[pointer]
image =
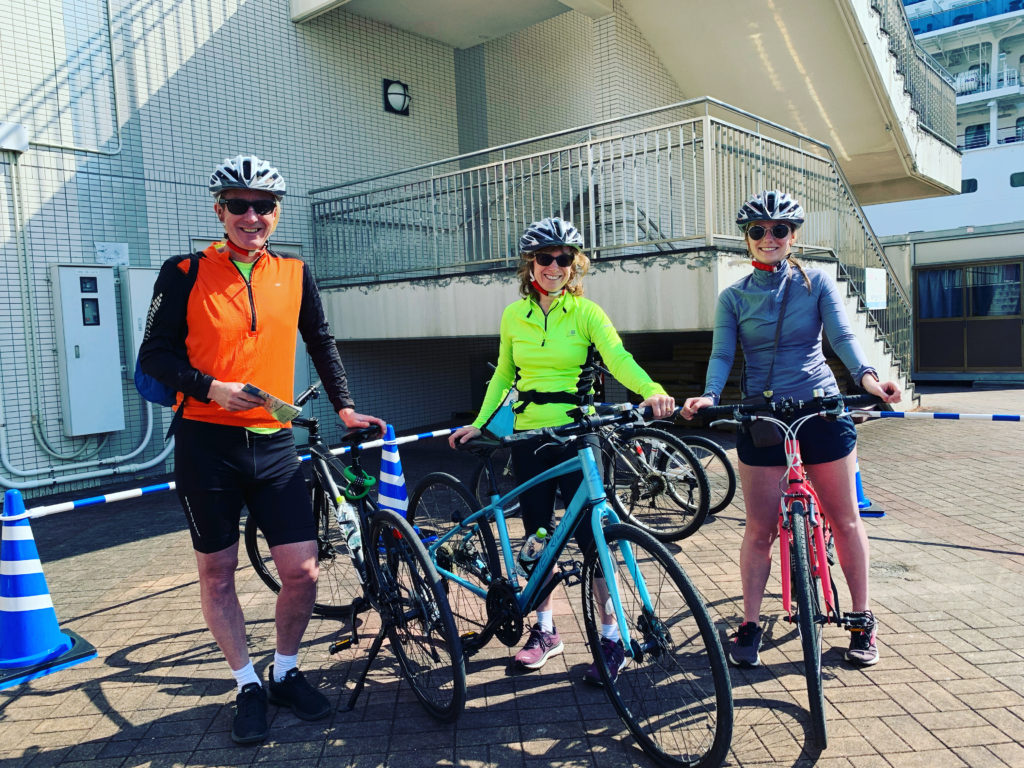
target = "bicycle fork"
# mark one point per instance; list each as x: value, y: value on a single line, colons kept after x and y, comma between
x: 816, y: 554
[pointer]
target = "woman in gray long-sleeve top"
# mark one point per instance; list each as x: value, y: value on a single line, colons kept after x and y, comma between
x: 748, y: 310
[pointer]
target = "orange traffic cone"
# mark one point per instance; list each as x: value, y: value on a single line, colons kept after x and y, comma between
x: 31, y: 643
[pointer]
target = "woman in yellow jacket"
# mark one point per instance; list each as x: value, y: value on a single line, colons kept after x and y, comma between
x: 549, y: 340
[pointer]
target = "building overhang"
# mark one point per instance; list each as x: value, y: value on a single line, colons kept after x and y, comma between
x: 458, y: 23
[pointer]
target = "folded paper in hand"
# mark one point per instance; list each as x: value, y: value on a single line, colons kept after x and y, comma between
x: 276, y: 407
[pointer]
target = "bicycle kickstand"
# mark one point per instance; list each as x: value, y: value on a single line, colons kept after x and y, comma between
x: 358, y: 605
x: 378, y: 641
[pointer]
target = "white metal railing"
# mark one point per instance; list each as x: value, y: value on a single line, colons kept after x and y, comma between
x: 665, y: 180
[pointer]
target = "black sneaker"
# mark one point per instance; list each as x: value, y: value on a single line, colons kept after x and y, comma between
x: 614, y: 655
x: 294, y: 691
x: 863, y: 647
x: 743, y: 650
x: 250, y: 724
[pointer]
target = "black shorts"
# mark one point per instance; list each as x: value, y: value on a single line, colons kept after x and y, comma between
x: 538, y: 503
x: 821, y: 441
x: 219, y: 469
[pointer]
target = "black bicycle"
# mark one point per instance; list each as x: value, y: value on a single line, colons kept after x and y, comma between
x: 372, y: 558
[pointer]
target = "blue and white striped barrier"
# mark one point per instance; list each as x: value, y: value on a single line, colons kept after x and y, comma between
x: 938, y: 416
x: 134, y: 493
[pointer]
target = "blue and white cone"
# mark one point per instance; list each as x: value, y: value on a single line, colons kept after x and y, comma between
x: 31, y: 642
x: 867, y: 509
x: 391, y: 492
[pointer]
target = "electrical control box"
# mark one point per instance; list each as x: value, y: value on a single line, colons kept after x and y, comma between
x: 136, y: 294
x: 88, y: 358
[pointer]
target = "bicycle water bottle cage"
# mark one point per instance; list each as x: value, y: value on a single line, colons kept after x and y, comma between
x: 358, y: 485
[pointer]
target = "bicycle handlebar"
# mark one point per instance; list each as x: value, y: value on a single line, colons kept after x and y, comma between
x: 831, y: 404
x: 624, y: 413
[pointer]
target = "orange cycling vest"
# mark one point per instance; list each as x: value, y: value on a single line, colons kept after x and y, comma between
x: 243, y: 331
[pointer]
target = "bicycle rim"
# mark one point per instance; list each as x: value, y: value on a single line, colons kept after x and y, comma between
x: 805, y: 588
x: 674, y: 694
x: 719, y: 470
x: 422, y: 630
x: 438, y: 501
x: 659, y: 486
x: 501, y: 460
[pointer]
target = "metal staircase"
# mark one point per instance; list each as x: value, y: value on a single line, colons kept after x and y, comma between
x: 662, y: 181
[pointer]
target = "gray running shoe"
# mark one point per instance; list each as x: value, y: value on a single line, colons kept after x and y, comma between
x: 743, y: 650
x: 863, y: 650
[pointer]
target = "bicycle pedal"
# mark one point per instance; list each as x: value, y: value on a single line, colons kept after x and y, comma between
x: 470, y: 643
x: 340, y: 645
x: 571, y: 573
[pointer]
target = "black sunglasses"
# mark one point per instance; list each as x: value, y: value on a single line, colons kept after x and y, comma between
x: 238, y: 206
x: 563, y: 259
x: 778, y: 231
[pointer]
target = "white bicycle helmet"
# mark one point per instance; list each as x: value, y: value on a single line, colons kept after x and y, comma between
x: 548, y: 232
x: 770, y: 205
x: 246, y: 172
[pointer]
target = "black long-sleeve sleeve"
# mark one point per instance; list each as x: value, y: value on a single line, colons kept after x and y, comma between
x: 163, y: 354
x: 316, y: 333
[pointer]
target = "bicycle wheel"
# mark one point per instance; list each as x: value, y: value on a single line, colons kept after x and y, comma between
x: 656, y: 483
x: 720, y: 471
x: 673, y: 692
x: 438, y: 501
x: 338, y: 585
x: 808, y: 605
x: 415, y: 609
x: 501, y: 460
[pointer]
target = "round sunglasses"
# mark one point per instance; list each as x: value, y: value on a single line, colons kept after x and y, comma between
x: 779, y: 231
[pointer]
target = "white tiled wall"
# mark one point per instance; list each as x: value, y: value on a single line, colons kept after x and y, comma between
x: 198, y: 80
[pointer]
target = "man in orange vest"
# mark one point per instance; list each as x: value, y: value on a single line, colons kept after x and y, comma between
x: 213, y: 327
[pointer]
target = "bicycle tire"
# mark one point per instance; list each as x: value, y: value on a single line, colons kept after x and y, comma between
x: 412, y: 601
x: 662, y: 489
x: 720, y: 471
x: 338, y: 584
x: 808, y: 604
x: 675, y: 694
x: 501, y: 460
x: 438, y: 500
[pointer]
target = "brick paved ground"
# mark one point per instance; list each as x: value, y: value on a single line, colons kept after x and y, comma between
x: 947, y: 570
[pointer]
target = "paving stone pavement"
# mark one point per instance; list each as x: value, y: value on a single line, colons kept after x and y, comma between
x: 947, y: 579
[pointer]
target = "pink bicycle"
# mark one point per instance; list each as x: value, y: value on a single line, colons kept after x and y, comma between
x: 805, y: 537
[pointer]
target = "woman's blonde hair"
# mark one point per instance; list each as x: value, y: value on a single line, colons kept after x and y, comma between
x: 580, y: 267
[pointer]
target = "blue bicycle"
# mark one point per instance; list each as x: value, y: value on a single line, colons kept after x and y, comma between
x: 673, y: 690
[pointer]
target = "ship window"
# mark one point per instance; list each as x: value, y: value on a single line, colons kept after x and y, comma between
x: 968, y: 185
x: 1017, y: 179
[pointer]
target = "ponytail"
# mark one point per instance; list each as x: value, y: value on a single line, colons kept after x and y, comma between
x: 800, y: 268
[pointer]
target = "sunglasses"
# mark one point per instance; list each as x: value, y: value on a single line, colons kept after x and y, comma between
x: 238, y: 206
x: 563, y: 259
x: 779, y: 231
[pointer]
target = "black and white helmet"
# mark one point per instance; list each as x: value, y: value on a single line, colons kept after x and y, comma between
x: 548, y: 232
x: 246, y: 172
x: 771, y: 205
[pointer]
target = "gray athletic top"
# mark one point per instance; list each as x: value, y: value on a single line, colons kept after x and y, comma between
x: 749, y: 309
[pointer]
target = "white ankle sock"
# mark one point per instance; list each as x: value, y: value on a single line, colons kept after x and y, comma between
x: 283, y: 665
x: 610, y: 631
x: 546, y: 621
x: 246, y: 675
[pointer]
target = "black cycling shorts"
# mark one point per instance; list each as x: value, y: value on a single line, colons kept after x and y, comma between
x: 219, y: 469
x: 821, y: 441
x: 538, y: 503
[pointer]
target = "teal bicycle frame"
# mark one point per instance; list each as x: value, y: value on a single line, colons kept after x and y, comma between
x: 589, y: 495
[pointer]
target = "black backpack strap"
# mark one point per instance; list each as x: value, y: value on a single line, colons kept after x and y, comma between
x: 193, y: 271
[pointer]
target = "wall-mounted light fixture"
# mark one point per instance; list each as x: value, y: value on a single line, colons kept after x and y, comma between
x: 396, y: 97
